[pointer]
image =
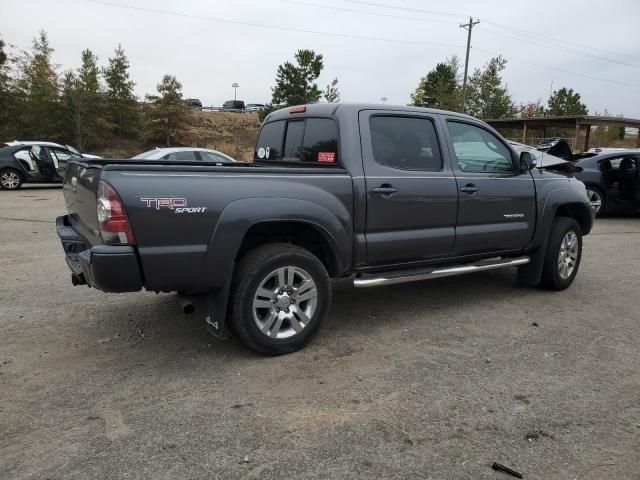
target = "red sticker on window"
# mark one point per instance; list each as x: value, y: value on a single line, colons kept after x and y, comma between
x: 327, y: 157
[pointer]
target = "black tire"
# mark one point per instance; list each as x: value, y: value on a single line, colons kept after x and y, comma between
x: 552, y: 277
x: 602, y: 197
x: 250, y: 274
x: 9, y: 177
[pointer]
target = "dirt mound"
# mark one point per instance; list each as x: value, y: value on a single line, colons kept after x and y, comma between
x: 231, y: 133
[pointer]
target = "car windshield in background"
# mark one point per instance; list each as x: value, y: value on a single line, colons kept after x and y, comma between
x: 146, y: 154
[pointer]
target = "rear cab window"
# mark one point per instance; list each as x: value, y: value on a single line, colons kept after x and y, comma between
x: 302, y: 141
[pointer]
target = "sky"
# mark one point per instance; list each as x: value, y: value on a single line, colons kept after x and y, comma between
x: 375, y: 52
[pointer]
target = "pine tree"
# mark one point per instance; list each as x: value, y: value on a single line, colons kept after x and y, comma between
x: 440, y: 87
x: 38, y: 114
x: 5, y: 92
x: 295, y: 83
x: 83, y: 100
x: 566, y: 102
x: 166, y: 114
x: 122, y: 106
x: 486, y: 97
x: 331, y: 93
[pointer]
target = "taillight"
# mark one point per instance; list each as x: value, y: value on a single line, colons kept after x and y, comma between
x: 112, y: 219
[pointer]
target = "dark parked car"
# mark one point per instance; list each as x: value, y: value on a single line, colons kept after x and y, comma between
x: 233, y: 106
x: 612, y: 180
x: 558, y: 147
x: 193, y: 102
x: 381, y: 194
x: 33, y: 162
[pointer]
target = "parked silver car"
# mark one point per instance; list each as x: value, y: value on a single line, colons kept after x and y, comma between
x: 187, y: 154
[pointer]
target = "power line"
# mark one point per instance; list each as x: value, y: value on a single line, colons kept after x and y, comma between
x: 351, y: 10
x: 407, y: 9
x: 555, y: 69
x: 507, y: 27
x: 567, y: 49
x: 556, y: 40
x: 273, y: 27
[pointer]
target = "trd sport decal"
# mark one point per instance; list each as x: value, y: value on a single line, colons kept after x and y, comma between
x: 177, y: 204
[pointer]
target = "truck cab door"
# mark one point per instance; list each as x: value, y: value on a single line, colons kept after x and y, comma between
x: 497, y: 202
x: 411, y: 194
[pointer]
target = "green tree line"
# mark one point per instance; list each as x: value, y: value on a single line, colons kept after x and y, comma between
x: 88, y: 107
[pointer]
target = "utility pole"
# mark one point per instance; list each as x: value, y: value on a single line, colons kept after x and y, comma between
x: 468, y: 27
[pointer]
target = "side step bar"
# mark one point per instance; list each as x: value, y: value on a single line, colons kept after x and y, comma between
x: 391, y: 278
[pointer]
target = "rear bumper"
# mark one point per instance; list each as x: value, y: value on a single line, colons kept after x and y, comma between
x: 110, y: 268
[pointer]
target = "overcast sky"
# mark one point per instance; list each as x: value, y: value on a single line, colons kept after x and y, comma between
x: 207, y: 56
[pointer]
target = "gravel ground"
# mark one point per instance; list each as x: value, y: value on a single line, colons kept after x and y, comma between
x: 429, y: 380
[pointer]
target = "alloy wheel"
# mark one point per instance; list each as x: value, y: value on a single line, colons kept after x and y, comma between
x: 10, y: 180
x: 568, y: 256
x: 285, y: 302
x: 595, y: 199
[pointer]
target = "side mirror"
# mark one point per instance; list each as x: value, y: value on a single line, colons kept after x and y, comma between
x: 527, y: 161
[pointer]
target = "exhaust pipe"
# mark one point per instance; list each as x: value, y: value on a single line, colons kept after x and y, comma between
x: 187, y: 307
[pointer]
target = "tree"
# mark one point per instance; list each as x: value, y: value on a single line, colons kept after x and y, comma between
x: 83, y: 101
x: 331, y: 93
x: 486, y: 97
x: 5, y: 91
x: 440, y: 87
x: 166, y: 114
x: 295, y: 83
x: 38, y: 113
x: 122, y: 106
x: 566, y: 102
x: 530, y: 110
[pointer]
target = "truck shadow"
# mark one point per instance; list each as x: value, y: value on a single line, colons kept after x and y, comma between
x: 160, y: 326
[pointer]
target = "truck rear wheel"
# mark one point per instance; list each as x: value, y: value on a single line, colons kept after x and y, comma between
x: 280, y: 296
x: 564, y: 253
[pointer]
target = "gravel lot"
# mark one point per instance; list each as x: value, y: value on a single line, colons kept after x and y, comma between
x: 430, y: 380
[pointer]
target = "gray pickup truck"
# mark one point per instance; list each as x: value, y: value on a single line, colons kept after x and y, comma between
x: 380, y: 194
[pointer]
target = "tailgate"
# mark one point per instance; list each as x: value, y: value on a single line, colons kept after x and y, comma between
x: 80, y: 189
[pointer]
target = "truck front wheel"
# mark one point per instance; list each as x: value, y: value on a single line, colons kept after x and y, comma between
x: 280, y: 296
x: 564, y: 253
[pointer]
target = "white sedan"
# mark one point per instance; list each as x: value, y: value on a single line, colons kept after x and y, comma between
x: 185, y: 154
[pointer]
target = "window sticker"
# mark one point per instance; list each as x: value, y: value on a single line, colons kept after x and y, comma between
x: 261, y: 152
x: 326, y: 157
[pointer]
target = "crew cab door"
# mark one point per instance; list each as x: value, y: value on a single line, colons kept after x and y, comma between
x: 411, y: 192
x: 497, y: 200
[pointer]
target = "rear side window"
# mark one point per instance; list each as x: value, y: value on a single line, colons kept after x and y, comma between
x: 308, y: 141
x: 406, y: 143
x: 269, y: 143
x: 182, y: 156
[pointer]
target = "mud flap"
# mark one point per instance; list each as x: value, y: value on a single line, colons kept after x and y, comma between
x: 215, y: 312
x: 531, y: 273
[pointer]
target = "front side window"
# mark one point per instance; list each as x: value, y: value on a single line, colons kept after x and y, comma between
x: 60, y: 154
x: 478, y: 150
x: 406, y: 143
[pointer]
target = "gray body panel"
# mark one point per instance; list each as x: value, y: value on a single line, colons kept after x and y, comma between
x: 427, y: 221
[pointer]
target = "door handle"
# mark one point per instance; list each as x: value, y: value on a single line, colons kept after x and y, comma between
x: 469, y: 188
x: 385, y: 189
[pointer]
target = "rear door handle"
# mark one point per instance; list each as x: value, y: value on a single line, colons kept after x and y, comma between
x: 469, y: 188
x: 385, y: 189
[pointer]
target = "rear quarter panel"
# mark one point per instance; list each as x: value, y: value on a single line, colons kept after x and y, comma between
x: 195, y: 251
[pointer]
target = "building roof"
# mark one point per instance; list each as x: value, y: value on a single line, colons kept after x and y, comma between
x: 565, y: 121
